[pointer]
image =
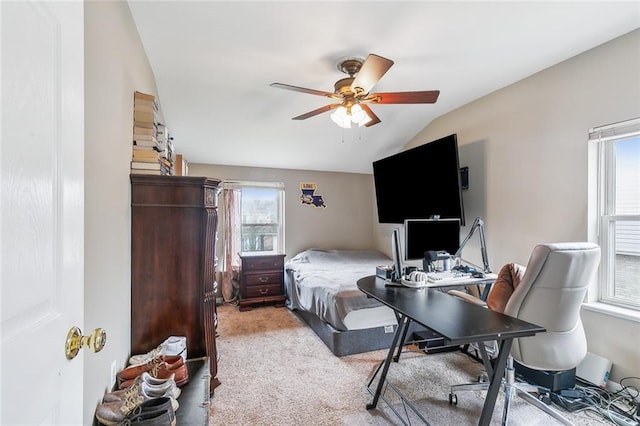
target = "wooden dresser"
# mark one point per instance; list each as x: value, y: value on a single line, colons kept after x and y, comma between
x: 173, y: 264
x: 261, y: 280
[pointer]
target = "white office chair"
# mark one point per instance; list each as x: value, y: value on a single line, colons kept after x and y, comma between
x: 550, y: 295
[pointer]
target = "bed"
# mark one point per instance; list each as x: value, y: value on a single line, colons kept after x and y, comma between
x: 320, y: 286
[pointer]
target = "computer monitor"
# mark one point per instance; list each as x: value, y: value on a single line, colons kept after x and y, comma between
x: 421, y: 235
x: 396, y: 255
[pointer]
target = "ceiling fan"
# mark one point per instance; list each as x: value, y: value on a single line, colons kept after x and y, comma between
x: 353, y: 92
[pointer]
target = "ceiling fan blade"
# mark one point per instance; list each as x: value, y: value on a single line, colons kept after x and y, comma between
x: 302, y: 89
x: 371, y: 114
x: 370, y: 73
x: 316, y: 112
x: 424, y: 97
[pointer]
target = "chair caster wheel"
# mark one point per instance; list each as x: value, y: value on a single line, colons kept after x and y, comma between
x: 453, y: 399
x: 545, y: 398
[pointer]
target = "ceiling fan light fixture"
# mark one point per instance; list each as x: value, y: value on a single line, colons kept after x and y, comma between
x: 341, y: 117
x: 344, y: 116
x: 359, y: 116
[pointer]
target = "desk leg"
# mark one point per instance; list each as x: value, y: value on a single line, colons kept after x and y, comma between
x: 485, y: 359
x: 485, y: 291
x: 400, y: 344
x: 404, y: 321
x: 496, y: 382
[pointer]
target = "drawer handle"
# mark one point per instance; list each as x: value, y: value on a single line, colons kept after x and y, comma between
x: 264, y: 291
x: 263, y: 279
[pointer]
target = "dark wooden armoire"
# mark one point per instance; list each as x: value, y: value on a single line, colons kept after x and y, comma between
x: 173, y: 263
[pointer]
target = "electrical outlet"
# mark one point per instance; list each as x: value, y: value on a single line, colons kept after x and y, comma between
x: 112, y: 377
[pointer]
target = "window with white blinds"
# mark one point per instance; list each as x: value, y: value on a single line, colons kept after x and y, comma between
x: 619, y: 211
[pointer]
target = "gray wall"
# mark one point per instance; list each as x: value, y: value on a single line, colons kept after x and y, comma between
x: 345, y: 223
x: 526, y: 148
x: 116, y: 66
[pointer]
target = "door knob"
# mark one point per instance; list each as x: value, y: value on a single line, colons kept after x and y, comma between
x: 76, y: 341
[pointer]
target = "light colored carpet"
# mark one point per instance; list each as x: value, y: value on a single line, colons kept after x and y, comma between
x: 274, y: 370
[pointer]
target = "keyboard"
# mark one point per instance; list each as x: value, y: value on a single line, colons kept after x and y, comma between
x: 447, y: 276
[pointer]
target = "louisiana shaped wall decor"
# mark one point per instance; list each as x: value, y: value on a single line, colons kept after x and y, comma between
x: 308, y: 196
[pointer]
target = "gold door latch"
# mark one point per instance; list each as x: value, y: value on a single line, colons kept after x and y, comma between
x: 75, y: 341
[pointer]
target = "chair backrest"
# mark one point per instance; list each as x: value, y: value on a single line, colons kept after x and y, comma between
x: 550, y: 295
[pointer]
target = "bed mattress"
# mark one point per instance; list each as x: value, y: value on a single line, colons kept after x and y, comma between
x: 323, y: 282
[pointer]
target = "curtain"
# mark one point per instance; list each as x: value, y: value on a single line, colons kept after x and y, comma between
x: 232, y: 218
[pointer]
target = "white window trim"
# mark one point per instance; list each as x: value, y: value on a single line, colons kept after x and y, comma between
x: 613, y: 310
x: 232, y: 184
x: 600, y: 217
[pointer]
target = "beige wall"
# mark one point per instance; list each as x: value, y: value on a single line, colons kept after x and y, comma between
x: 526, y: 148
x: 116, y: 66
x: 345, y: 223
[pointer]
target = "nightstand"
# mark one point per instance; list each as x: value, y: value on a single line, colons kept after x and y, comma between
x: 261, y: 280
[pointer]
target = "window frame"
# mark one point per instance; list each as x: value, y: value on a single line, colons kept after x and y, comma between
x: 606, y: 138
x: 276, y: 186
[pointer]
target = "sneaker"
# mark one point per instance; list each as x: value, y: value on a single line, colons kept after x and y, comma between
x: 159, y: 371
x: 152, y: 387
x: 160, y: 367
x: 114, y: 413
x: 154, y: 412
x: 161, y: 418
x: 173, y: 345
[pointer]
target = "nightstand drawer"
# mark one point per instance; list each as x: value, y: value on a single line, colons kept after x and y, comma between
x: 263, y: 279
x: 262, y: 291
x: 263, y: 263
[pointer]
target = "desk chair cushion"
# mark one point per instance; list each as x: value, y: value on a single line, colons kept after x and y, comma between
x: 550, y: 294
x: 508, y: 280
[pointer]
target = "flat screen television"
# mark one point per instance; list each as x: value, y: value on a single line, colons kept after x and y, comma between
x: 421, y: 235
x: 420, y: 183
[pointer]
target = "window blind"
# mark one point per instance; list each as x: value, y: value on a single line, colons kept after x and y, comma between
x: 620, y: 130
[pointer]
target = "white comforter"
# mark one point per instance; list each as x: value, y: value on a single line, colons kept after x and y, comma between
x: 324, y: 282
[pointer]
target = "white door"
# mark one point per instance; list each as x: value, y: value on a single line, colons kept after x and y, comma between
x: 41, y: 167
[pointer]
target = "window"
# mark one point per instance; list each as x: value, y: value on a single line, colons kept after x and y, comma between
x: 619, y: 212
x: 261, y: 224
x: 262, y: 213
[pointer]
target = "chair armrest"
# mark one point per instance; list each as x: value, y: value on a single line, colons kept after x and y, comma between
x: 467, y: 297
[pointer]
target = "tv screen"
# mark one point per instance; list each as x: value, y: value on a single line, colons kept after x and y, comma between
x: 421, y: 235
x: 420, y: 183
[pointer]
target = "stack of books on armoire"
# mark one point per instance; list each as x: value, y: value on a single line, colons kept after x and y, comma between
x: 153, y: 151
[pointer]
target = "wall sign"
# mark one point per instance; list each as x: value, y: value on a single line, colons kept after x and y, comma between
x: 308, y: 196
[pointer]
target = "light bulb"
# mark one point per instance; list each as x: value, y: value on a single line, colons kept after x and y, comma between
x: 359, y: 116
x: 341, y: 118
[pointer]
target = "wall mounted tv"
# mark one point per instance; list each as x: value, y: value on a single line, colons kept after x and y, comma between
x: 420, y: 183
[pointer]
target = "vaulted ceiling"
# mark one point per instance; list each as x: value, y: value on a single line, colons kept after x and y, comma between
x: 214, y: 61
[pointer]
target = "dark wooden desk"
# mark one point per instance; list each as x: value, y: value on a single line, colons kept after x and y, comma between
x: 459, y: 322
